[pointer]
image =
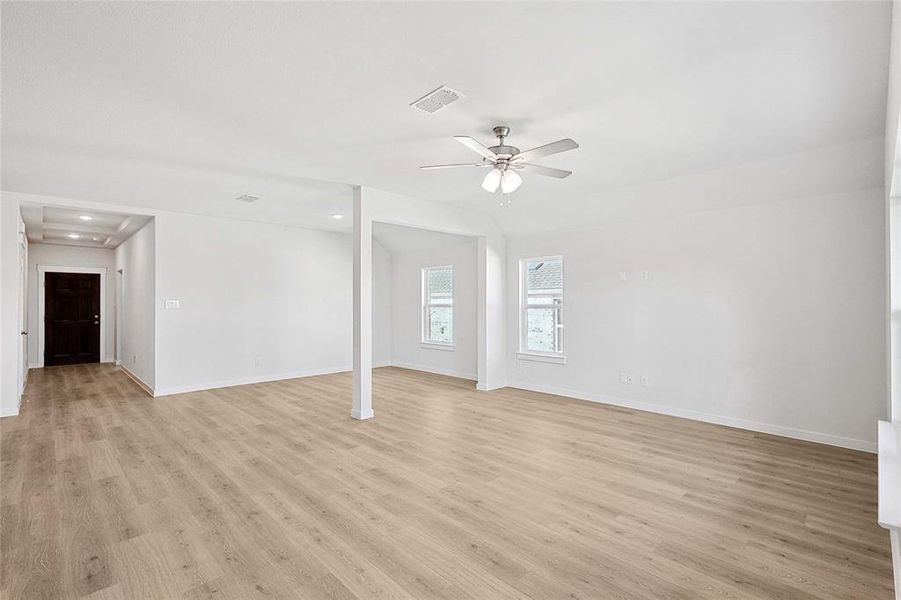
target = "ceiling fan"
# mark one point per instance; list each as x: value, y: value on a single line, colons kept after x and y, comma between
x: 507, y: 160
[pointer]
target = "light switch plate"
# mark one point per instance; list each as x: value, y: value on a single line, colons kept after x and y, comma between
x: 173, y: 304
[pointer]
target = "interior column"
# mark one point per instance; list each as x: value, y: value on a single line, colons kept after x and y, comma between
x: 492, y: 364
x: 362, y: 377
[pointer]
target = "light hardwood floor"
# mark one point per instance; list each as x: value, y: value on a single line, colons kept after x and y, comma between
x: 273, y: 491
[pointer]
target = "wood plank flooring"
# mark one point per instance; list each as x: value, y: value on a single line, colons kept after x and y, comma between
x: 273, y: 491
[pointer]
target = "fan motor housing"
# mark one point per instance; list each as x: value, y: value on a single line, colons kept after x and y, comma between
x: 505, y: 151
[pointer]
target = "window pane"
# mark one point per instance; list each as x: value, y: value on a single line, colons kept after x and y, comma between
x: 440, y: 324
x: 544, y: 281
x: 440, y: 286
x: 543, y: 330
x: 543, y: 299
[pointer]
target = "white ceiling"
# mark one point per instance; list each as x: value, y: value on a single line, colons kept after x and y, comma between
x: 54, y: 225
x: 185, y: 106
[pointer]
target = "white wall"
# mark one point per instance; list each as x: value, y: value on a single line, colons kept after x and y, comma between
x: 70, y: 256
x: 893, y: 102
x: 893, y: 186
x: 258, y: 302
x: 136, y: 258
x: 382, y: 329
x: 9, y: 292
x: 406, y: 310
x: 768, y: 317
x: 396, y: 209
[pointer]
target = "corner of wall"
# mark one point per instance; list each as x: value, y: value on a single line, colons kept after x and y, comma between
x: 9, y: 334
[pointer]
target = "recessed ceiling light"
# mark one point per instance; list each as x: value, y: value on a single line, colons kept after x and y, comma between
x: 86, y: 217
x: 337, y: 216
x: 73, y: 236
x: 247, y: 198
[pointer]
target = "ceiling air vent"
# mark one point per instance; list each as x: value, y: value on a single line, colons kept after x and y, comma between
x: 247, y: 198
x: 437, y: 99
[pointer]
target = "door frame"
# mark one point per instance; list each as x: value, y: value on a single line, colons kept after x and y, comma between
x: 22, y: 305
x: 42, y: 271
x: 120, y: 307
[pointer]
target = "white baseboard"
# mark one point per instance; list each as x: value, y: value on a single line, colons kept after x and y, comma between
x: 790, y: 432
x: 212, y: 385
x: 141, y: 383
x: 362, y: 416
x: 490, y: 386
x: 436, y: 370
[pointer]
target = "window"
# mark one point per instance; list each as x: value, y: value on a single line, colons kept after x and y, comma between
x: 438, y: 305
x: 541, y: 323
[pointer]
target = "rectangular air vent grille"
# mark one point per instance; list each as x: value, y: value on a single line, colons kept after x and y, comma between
x: 437, y: 99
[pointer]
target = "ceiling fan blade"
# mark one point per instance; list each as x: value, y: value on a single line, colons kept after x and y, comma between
x: 547, y: 171
x: 546, y: 150
x: 427, y: 167
x: 476, y: 146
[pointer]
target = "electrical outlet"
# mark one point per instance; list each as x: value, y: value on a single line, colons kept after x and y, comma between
x: 623, y: 276
x: 257, y: 361
x: 644, y: 381
x: 628, y: 379
x: 625, y: 378
x: 645, y: 275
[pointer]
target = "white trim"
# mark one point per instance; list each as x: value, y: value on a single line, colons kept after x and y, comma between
x: 361, y: 416
x: 141, y: 383
x: 790, y: 432
x: 558, y: 359
x: 524, y: 306
x: 487, y: 387
x: 436, y: 370
x: 224, y: 383
x: 22, y: 361
x: 425, y: 305
x: 119, y: 286
x: 42, y: 271
x: 437, y: 346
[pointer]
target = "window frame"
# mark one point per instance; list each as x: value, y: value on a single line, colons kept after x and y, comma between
x: 426, y: 304
x: 525, y: 353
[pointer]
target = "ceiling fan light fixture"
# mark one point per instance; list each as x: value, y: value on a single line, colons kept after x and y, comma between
x: 506, y: 160
x: 492, y: 181
x: 510, y: 181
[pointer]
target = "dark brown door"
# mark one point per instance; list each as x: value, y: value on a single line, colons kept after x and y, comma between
x: 71, y: 318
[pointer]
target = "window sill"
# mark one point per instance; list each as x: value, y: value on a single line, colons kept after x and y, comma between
x: 433, y: 346
x: 547, y: 358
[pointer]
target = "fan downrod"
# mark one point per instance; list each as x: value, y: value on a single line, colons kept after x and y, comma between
x: 502, y: 149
